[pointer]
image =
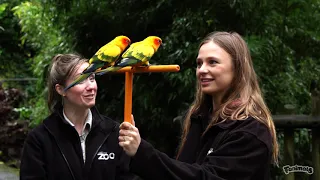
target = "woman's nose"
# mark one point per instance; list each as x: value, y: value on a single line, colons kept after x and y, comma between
x: 91, y: 85
x: 203, y: 69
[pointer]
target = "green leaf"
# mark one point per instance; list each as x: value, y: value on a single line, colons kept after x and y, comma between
x: 3, y: 8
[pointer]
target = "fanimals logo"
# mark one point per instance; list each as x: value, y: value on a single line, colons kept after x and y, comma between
x: 297, y: 168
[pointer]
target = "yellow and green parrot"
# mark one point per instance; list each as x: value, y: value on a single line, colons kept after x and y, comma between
x: 106, y: 56
x: 138, y: 54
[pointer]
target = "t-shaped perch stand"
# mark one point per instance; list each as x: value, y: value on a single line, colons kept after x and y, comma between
x: 129, y: 71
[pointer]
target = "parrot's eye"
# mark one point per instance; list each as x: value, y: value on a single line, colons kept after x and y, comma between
x: 126, y: 41
x: 157, y: 41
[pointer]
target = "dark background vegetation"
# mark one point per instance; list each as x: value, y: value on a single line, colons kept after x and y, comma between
x: 283, y: 37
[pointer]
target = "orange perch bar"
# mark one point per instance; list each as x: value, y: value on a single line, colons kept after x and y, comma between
x: 129, y: 71
x: 151, y: 68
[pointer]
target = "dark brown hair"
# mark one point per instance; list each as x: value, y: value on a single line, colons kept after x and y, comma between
x: 62, y: 66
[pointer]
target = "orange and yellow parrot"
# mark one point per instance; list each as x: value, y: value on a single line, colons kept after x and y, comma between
x: 138, y: 54
x: 106, y: 56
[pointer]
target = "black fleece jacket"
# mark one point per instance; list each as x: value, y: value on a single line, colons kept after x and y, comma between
x: 230, y: 150
x: 53, y: 151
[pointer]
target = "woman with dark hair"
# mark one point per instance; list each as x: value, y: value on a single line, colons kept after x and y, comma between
x: 75, y: 141
x: 228, y: 132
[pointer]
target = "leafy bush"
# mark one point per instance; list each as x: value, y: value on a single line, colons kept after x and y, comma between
x: 46, y: 40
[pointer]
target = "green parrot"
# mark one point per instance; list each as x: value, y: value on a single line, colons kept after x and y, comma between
x: 138, y: 54
x: 104, y: 57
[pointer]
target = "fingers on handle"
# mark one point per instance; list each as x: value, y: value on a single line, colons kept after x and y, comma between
x: 132, y: 120
x: 125, y: 125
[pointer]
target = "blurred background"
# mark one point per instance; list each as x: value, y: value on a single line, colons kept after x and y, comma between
x: 283, y: 37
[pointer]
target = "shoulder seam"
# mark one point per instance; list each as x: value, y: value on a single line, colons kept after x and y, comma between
x: 256, y: 137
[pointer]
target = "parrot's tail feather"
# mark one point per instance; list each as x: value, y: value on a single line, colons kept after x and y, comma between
x: 109, y: 69
x: 70, y: 86
x: 77, y: 81
x: 92, y: 68
x: 128, y: 61
x: 88, y: 69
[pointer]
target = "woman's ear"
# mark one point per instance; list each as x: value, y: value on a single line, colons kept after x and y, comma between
x: 60, y: 90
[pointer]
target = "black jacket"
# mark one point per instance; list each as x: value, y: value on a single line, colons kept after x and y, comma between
x: 53, y: 151
x: 231, y: 150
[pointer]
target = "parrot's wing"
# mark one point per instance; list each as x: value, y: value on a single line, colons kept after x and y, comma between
x: 110, y: 54
x: 142, y: 52
x: 103, y: 58
x: 131, y: 48
x: 95, y: 58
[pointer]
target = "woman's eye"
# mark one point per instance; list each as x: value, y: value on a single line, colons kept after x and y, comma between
x: 92, y: 77
x: 199, y: 64
x: 212, y: 62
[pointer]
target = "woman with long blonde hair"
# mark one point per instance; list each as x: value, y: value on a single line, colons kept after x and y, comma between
x: 228, y: 132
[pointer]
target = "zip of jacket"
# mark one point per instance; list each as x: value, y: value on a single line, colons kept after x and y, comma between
x: 64, y: 157
x: 94, y: 155
x: 114, y: 127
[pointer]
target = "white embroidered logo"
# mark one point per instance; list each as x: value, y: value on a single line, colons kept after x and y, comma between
x: 297, y: 168
x: 210, y: 151
x: 105, y: 156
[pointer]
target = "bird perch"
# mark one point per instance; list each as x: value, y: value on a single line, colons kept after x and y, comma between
x: 129, y: 71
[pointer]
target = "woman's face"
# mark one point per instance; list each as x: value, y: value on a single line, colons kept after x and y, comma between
x: 214, y: 70
x: 82, y: 95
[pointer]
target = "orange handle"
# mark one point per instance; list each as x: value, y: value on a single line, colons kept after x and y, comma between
x: 128, y: 97
x: 129, y: 82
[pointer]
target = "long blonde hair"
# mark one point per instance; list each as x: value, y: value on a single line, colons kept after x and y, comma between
x: 244, y: 97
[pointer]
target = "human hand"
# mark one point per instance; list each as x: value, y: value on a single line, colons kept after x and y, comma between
x: 129, y: 137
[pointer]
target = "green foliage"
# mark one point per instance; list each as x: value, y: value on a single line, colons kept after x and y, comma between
x: 283, y: 37
x: 282, y: 57
x: 46, y: 40
x: 12, y: 55
x: 278, y: 33
x: 24, y: 112
x: 2, y: 8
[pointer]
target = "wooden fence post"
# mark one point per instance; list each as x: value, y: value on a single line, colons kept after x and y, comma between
x: 316, y: 153
x: 289, y: 144
x: 315, y: 112
x: 289, y: 151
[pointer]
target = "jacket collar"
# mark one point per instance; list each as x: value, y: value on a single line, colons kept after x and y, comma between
x: 87, y: 124
x: 56, y: 120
